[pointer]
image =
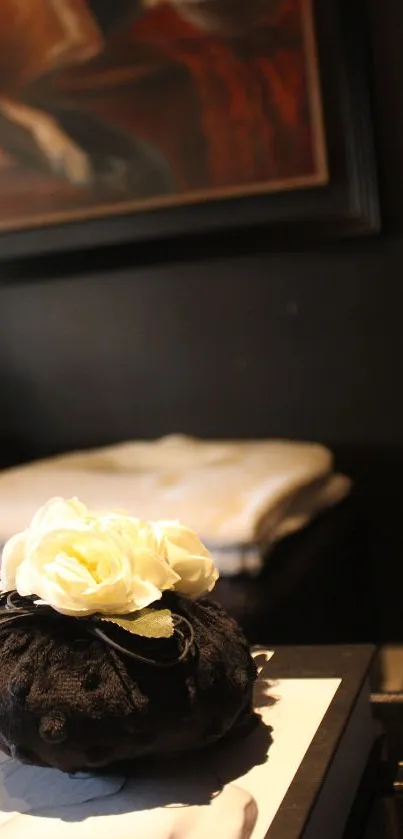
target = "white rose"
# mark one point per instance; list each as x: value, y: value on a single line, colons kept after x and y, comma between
x: 188, y: 557
x: 81, y: 563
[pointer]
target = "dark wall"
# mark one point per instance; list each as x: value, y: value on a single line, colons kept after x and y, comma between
x: 306, y: 344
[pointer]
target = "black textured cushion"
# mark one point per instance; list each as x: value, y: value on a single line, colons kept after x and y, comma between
x: 69, y: 700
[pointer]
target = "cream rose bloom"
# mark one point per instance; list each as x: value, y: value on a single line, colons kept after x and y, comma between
x: 188, y: 557
x: 81, y: 563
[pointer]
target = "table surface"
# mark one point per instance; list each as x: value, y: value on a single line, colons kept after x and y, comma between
x: 319, y: 688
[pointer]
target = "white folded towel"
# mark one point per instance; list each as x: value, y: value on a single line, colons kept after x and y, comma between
x: 240, y: 496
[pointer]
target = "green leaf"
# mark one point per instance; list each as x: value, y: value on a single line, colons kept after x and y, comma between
x: 149, y: 623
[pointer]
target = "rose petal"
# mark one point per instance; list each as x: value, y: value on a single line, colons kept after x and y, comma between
x: 59, y: 513
x: 12, y: 557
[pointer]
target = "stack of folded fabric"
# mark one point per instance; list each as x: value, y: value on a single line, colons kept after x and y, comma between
x: 241, y: 496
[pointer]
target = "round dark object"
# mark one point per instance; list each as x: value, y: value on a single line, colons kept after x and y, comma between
x: 71, y: 700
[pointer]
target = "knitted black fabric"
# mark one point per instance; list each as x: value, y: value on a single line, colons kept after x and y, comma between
x: 70, y: 701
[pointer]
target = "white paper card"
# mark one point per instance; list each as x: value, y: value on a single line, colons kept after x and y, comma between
x: 177, y: 803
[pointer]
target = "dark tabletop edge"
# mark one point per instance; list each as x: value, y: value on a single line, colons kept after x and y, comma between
x: 352, y: 664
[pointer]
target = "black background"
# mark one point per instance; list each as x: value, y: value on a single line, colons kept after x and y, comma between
x: 293, y: 342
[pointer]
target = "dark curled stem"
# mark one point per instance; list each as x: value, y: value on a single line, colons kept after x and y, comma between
x: 186, y: 639
x: 14, y: 607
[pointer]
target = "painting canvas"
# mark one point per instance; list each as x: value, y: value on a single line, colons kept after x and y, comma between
x: 115, y: 106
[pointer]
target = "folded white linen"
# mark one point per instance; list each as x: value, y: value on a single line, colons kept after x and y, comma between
x: 240, y: 496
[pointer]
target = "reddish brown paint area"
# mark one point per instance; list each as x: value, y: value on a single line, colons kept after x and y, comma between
x: 225, y: 113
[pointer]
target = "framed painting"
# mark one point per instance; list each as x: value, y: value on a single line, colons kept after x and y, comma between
x: 139, y: 120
